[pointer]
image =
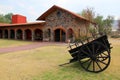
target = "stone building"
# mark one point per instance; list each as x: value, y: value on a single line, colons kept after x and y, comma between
x: 56, y: 24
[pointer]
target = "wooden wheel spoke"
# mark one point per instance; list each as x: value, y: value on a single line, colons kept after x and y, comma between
x: 98, y: 65
x: 88, y: 49
x: 85, y: 61
x: 85, y: 52
x: 93, y: 66
x: 104, y: 54
x: 89, y: 64
x: 98, y: 57
x: 102, y: 62
x: 102, y: 57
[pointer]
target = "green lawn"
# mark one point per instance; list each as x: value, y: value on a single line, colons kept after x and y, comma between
x: 43, y: 64
x: 11, y: 43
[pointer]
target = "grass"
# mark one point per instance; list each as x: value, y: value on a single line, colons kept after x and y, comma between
x: 12, y: 43
x: 43, y: 64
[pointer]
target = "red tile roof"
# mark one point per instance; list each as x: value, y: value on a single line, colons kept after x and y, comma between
x: 21, y: 24
x: 54, y: 8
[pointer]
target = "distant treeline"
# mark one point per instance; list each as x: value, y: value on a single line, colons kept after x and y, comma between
x: 7, y: 18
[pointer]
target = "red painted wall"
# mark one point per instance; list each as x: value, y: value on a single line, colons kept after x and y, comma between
x: 18, y: 19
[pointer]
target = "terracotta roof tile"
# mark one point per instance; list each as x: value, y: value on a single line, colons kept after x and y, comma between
x: 21, y: 24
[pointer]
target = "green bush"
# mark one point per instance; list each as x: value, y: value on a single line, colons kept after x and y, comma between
x: 82, y: 38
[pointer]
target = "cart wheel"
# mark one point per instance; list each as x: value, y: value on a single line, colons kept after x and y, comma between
x: 97, y: 57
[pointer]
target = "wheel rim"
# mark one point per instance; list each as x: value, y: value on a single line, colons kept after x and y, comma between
x: 95, y: 60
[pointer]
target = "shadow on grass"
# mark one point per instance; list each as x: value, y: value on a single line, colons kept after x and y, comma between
x: 75, y: 66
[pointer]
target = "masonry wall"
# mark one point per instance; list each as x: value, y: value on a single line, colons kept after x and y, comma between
x: 65, y: 21
x: 59, y: 20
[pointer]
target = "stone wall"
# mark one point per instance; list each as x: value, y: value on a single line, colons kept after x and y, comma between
x: 65, y: 20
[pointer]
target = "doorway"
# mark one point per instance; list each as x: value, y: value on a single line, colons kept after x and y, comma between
x: 60, y: 35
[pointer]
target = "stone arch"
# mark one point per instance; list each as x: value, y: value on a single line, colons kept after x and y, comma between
x: 38, y: 34
x: 19, y: 33
x: 28, y: 34
x: 59, y: 35
x: 6, y: 33
x: 12, y: 34
x: 70, y: 34
x: 1, y: 33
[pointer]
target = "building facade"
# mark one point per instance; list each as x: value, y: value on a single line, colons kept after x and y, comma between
x: 57, y: 24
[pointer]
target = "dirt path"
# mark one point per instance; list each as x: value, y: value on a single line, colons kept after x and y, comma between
x: 28, y: 47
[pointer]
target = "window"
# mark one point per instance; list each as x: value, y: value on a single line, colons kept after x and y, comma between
x: 58, y: 13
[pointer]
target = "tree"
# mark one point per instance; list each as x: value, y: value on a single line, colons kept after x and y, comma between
x: 89, y: 14
x: 7, y: 18
x: 99, y: 21
x: 104, y: 25
x: 118, y: 25
x: 2, y: 18
x: 108, y: 24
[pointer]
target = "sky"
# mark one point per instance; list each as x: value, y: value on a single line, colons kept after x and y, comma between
x: 32, y: 9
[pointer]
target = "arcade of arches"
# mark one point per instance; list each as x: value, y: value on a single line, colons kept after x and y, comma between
x: 58, y: 35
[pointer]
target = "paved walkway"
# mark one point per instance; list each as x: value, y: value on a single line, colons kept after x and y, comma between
x: 28, y: 47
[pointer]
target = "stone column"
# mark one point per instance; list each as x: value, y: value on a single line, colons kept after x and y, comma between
x: 52, y: 35
x: 23, y: 35
x: 44, y: 35
x: 15, y: 34
x: 33, y: 38
x: 3, y: 33
x: 9, y: 34
x: 66, y: 39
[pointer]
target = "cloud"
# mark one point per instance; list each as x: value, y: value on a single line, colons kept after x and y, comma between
x: 34, y: 8
x: 5, y: 9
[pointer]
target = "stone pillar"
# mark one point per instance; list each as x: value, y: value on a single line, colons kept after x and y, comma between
x: 23, y: 35
x: 44, y: 35
x: 15, y: 34
x: 66, y: 39
x: 9, y: 34
x: 33, y: 34
x: 52, y: 35
x: 3, y: 34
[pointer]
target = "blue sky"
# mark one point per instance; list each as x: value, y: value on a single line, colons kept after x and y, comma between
x: 32, y: 9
